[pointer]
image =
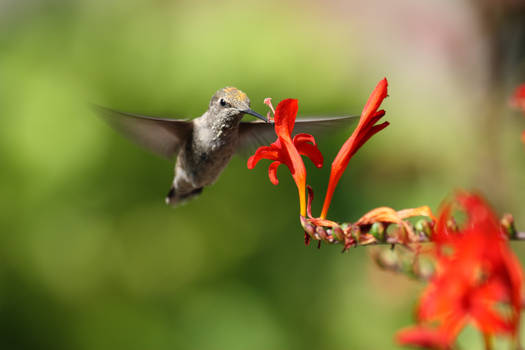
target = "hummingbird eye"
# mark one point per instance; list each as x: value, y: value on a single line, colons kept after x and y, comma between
x: 222, y: 102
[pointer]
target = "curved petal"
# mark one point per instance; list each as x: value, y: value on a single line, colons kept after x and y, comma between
x: 299, y: 138
x: 305, y: 144
x: 264, y: 152
x: 285, y: 114
x: 272, y: 172
x: 312, y: 152
x: 369, y: 133
x: 488, y: 320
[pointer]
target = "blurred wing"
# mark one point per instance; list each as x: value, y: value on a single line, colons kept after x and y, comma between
x: 258, y: 133
x: 160, y: 135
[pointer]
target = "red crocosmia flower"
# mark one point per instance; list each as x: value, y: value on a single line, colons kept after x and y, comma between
x: 518, y: 98
x: 518, y: 101
x: 364, y: 131
x: 288, y: 151
x: 476, y: 274
x: 481, y: 250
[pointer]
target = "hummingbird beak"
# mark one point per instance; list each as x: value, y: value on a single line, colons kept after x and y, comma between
x: 255, y: 114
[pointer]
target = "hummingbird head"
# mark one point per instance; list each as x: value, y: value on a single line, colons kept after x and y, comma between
x: 232, y: 103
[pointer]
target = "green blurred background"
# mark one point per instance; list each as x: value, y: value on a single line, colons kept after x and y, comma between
x: 92, y: 258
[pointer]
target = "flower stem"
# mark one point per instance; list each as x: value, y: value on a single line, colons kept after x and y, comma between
x: 365, y: 233
x: 487, y: 340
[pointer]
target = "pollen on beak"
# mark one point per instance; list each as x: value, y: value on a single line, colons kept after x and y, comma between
x: 255, y: 114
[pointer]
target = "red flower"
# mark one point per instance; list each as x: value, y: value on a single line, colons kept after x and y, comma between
x: 476, y: 274
x: 518, y: 101
x: 518, y: 98
x: 287, y: 151
x: 480, y: 250
x: 364, y: 131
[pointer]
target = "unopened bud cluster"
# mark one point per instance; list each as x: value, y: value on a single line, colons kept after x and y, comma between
x: 372, y: 232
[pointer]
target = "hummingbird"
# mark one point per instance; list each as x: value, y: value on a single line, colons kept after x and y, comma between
x: 203, y: 146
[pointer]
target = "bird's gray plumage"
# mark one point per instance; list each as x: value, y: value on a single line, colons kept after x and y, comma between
x: 205, y: 145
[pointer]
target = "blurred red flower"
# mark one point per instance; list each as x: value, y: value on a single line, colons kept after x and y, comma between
x: 287, y: 151
x: 476, y: 273
x: 518, y: 101
x: 518, y: 98
x: 364, y: 131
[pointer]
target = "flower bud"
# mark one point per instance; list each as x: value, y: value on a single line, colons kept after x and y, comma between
x: 307, y: 226
x: 378, y: 231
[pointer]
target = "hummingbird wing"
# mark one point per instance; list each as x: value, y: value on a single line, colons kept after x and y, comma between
x: 258, y: 133
x: 162, y: 136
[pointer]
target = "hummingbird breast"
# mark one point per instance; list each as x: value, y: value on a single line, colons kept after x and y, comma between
x: 205, y: 155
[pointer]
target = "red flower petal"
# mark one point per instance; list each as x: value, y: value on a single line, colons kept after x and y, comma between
x: 375, y: 100
x: 425, y: 337
x: 518, y: 101
x: 264, y: 152
x: 480, y: 216
x: 364, y: 131
x: 295, y: 163
x: 518, y: 98
x: 306, y: 146
x: 312, y: 152
x: 301, y: 138
x: 442, y: 233
x: 285, y: 114
x: 272, y: 172
x: 490, y: 321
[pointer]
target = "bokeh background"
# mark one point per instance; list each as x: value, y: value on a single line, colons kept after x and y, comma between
x: 92, y: 258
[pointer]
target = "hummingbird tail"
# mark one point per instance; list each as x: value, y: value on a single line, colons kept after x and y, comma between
x: 174, y: 198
